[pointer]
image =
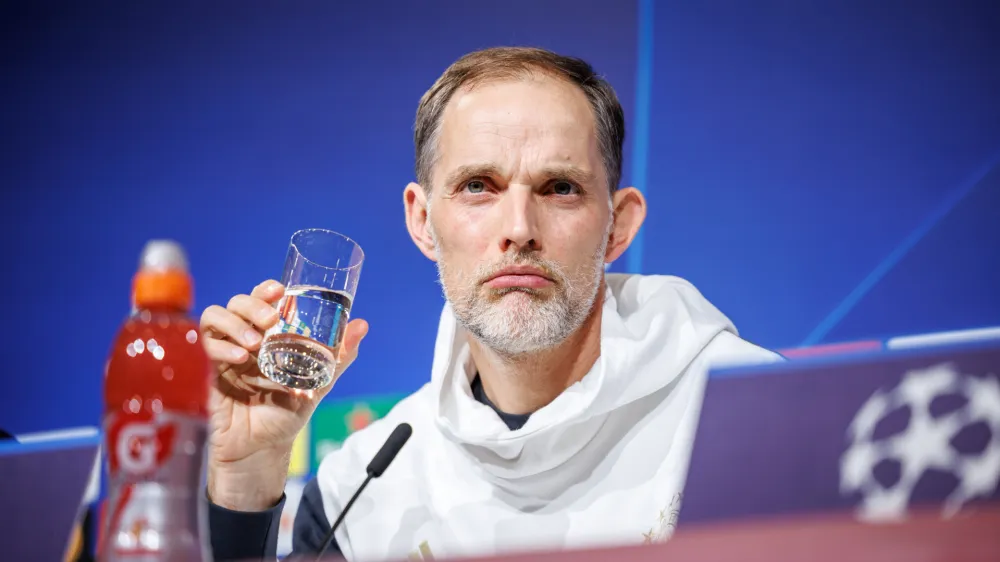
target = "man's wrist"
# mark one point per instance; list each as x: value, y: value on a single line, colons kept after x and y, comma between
x: 238, y: 489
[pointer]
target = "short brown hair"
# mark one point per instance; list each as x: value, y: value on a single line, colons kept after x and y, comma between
x: 505, y: 63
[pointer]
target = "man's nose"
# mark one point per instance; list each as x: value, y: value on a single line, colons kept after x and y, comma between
x: 520, y: 220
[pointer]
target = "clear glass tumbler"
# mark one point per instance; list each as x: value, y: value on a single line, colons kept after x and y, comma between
x: 320, y: 277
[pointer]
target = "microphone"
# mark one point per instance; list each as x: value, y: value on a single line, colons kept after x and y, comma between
x: 376, y: 467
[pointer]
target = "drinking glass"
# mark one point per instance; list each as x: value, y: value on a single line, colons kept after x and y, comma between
x: 320, y: 277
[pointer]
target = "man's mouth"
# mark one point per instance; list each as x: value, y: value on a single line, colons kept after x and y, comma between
x: 519, y: 276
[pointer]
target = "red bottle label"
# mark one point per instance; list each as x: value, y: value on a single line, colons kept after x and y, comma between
x: 139, y: 444
x: 155, y: 466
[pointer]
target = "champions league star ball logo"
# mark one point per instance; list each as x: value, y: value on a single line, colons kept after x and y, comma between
x: 935, y: 424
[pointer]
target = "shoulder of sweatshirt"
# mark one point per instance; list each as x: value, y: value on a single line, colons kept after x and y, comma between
x: 346, y: 465
x: 729, y: 350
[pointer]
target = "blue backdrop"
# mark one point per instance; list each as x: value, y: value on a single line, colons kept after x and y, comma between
x: 822, y: 171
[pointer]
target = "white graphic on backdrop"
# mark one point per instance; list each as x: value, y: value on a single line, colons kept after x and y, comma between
x: 925, y: 443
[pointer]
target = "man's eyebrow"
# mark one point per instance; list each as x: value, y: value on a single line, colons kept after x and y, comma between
x: 571, y: 173
x: 469, y: 171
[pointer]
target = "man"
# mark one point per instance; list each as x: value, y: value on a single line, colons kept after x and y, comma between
x: 562, y: 401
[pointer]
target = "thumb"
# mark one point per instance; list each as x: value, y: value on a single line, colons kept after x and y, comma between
x: 356, y: 331
x: 353, y: 334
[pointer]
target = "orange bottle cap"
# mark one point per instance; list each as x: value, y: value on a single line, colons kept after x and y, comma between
x: 170, y: 288
x: 163, y: 279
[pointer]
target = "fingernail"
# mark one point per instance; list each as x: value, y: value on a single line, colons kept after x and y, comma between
x: 238, y: 354
x: 251, y: 337
x: 273, y: 285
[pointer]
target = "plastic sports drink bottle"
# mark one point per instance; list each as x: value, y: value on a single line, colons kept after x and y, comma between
x: 156, y: 420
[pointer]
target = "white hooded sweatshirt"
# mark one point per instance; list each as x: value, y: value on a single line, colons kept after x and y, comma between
x: 602, y: 464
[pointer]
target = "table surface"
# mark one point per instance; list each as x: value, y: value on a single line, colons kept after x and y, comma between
x: 971, y: 537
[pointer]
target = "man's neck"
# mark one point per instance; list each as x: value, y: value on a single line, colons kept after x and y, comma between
x: 525, y: 383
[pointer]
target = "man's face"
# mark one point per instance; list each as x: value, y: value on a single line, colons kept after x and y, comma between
x: 519, y: 212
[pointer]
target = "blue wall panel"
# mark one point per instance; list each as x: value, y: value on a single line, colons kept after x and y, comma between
x: 795, y: 147
x: 228, y: 126
x: 791, y: 150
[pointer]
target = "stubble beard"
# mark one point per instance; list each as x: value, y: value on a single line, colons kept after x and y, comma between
x: 519, y: 321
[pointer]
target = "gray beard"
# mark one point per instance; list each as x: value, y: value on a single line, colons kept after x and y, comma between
x: 534, y: 321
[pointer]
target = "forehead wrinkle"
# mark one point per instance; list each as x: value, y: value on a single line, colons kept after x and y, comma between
x: 511, y: 139
x: 509, y: 132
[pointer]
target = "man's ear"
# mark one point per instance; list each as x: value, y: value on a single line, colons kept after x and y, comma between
x: 629, y: 208
x: 418, y: 221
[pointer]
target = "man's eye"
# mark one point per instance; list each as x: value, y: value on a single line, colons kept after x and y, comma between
x: 563, y: 188
x: 476, y: 186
